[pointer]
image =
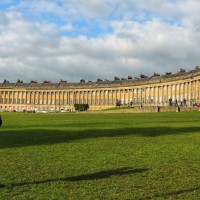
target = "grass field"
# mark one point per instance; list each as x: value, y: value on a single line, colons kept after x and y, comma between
x: 100, y: 156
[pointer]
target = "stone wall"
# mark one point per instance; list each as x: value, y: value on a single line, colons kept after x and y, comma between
x: 150, y: 109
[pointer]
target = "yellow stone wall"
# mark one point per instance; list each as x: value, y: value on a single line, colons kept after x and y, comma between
x: 100, y: 97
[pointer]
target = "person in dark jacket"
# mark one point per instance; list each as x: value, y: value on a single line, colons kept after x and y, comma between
x: 0, y: 120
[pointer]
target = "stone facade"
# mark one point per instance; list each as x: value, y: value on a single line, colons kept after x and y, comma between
x: 142, y: 91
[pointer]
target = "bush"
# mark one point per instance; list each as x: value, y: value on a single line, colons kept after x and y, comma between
x: 81, y: 107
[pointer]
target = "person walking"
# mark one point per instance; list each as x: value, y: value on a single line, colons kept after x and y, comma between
x: 0, y: 120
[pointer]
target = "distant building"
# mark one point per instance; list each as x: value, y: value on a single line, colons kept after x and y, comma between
x: 147, y: 91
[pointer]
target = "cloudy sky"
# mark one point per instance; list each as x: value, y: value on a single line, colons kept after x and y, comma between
x: 74, y: 39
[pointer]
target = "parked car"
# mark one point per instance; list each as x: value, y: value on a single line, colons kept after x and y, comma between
x: 198, y: 104
x: 12, y: 110
x: 64, y: 111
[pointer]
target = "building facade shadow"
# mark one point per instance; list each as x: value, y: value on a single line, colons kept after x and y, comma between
x: 36, y: 137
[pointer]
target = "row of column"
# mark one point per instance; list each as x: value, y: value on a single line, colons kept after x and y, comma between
x: 146, y: 94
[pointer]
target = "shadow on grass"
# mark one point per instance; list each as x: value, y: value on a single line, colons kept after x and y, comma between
x: 106, y: 174
x: 174, y: 193
x: 181, y: 192
x: 84, y: 177
x: 31, y: 137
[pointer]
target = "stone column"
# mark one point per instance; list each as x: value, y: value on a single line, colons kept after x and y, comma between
x: 167, y: 94
x: 12, y: 97
x: 50, y: 97
x: 141, y: 96
x: 47, y: 98
x: 42, y: 98
x: 94, y: 97
x: 91, y: 97
x: 87, y: 96
x: 112, y: 96
x: 105, y: 97
x: 154, y: 95
x: 197, y: 90
x: 175, y: 91
x: 32, y: 97
x: 25, y: 98
x: 185, y: 90
x: 171, y: 91
x: 120, y: 95
x: 123, y: 96
x: 61, y: 98
x: 180, y: 91
x: 194, y: 90
x: 81, y: 96
x: 136, y: 95
x: 158, y: 95
x: 4, y: 96
x: 115, y: 96
x: 145, y: 95
x: 162, y: 94
x: 190, y: 91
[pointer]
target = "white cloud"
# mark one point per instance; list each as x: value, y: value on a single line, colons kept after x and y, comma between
x: 34, y: 49
x: 3, y: 19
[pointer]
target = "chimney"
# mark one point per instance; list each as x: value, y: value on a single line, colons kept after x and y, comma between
x: 116, y: 78
x: 197, y: 67
x: 47, y: 81
x: 155, y: 74
x: 142, y: 76
x: 32, y: 81
x: 82, y: 80
x: 62, y: 81
x: 182, y: 70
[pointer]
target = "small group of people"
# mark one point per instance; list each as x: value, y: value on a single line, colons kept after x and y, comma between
x: 183, y: 103
x: 175, y: 103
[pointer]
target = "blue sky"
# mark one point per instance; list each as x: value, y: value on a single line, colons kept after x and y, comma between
x: 75, y: 39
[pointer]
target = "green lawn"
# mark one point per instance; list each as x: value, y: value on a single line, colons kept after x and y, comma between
x: 100, y: 156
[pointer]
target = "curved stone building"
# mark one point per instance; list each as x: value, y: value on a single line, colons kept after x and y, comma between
x: 147, y: 91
